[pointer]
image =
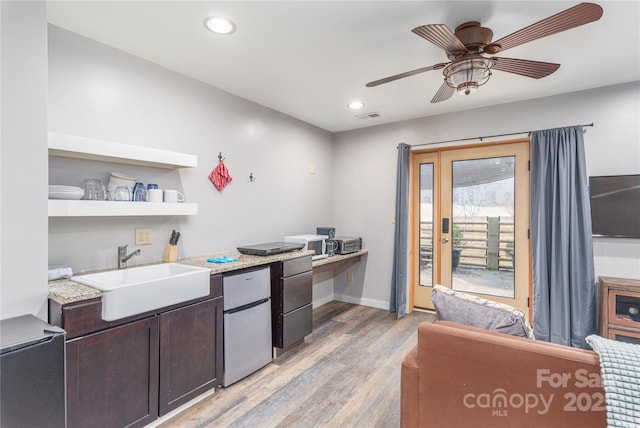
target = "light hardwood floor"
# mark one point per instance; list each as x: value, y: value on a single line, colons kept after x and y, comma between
x: 346, y: 374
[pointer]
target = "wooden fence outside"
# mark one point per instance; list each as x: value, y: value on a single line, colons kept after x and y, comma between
x: 485, y: 242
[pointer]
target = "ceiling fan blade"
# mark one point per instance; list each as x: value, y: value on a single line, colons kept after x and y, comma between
x: 441, y: 36
x: 525, y: 67
x: 443, y: 94
x: 406, y: 74
x: 576, y: 16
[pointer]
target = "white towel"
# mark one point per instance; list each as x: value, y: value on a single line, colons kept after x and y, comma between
x: 59, y: 272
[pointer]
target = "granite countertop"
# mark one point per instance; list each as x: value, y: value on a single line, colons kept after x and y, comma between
x: 66, y: 291
x: 338, y: 258
x: 244, y: 260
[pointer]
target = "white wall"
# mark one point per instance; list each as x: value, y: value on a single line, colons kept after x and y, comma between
x: 23, y: 159
x: 365, y: 163
x: 100, y: 92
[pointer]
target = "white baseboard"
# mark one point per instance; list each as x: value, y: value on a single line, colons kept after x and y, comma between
x: 180, y: 409
x: 324, y: 300
x: 379, y: 304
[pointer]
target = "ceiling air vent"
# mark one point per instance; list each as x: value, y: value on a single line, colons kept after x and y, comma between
x: 371, y: 115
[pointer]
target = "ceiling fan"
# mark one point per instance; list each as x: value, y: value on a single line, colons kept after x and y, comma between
x: 468, y: 49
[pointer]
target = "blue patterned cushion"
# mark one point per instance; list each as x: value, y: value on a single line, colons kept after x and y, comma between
x: 475, y: 311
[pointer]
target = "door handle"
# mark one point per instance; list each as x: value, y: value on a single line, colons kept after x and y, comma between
x: 444, y: 240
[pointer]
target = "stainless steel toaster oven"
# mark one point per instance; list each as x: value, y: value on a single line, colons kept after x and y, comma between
x: 347, y: 245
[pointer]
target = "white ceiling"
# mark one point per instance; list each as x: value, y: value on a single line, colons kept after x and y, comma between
x: 308, y: 59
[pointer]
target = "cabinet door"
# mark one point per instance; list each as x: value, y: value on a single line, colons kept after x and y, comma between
x: 190, y: 352
x: 112, y: 377
x: 624, y: 308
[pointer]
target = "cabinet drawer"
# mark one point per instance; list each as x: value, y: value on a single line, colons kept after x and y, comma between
x: 624, y: 336
x: 296, y: 291
x: 296, y: 325
x: 296, y: 266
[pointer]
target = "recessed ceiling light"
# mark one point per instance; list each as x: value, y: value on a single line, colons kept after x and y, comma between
x: 219, y: 25
x: 355, y: 105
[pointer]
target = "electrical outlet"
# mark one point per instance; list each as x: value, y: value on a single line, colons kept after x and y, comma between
x: 312, y: 168
x: 144, y: 236
x: 349, y: 276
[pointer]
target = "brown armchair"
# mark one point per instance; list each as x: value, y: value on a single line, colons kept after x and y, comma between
x: 461, y: 376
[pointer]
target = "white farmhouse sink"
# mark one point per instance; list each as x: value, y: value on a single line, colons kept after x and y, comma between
x: 127, y: 292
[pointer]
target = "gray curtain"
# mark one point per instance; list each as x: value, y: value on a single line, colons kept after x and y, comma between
x: 400, y: 246
x: 563, y: 275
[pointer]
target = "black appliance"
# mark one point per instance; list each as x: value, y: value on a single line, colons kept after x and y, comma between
x: 32, y: 389
x: 270, y: 248
x: 329, y: 231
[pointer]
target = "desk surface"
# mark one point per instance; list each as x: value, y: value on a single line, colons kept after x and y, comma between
x: 330, y: 262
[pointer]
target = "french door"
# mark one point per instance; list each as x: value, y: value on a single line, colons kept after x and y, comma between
x: 470, y: 217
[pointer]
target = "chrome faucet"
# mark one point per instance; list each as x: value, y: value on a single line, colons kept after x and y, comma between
x: 123, y: 257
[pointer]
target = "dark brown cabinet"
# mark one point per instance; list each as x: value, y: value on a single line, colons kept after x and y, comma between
x: 291, y: 301
x: 126, y: 373
x: 112, y: 376
x: 190, y: 349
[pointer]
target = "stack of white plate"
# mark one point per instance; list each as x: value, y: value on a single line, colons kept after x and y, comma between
x: 65, y: 192
x: 118, y: 179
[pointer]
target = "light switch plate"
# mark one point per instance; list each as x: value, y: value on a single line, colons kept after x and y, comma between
x: 144, y: 236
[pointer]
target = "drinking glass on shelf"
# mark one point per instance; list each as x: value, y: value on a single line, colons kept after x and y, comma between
x: 122, y: 193
x: 94, y: 190
x: 140, y: 194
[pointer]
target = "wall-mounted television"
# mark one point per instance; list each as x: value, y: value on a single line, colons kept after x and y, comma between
x: 615, y: 205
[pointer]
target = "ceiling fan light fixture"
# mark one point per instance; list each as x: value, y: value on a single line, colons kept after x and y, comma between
x: 467, y: 88
x: 465, y: 76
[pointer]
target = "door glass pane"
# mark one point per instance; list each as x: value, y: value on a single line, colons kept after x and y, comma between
x: 482, y: 235
x: 426, y: 224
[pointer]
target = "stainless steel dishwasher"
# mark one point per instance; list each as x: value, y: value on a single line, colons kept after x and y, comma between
x: 247, y: 323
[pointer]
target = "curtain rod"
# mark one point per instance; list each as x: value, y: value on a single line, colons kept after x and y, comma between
x: 480, y: 138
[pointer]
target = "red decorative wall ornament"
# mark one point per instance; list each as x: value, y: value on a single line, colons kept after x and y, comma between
x: 220, y: 176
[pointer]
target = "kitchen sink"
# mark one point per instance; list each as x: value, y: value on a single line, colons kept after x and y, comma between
x: 132, y: 291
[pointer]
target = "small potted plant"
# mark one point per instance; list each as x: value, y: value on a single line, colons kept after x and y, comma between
x: 456, y: 246
x: 511, y: 253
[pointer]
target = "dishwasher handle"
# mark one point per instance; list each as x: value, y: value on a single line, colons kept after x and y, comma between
x: 247, y: 306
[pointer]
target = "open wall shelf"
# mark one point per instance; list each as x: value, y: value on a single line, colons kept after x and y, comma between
x: 64, y: 208
x: 72, y: 146
x: 83, y: 148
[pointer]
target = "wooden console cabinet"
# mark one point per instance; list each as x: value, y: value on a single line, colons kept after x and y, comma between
x: 619, y: 309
